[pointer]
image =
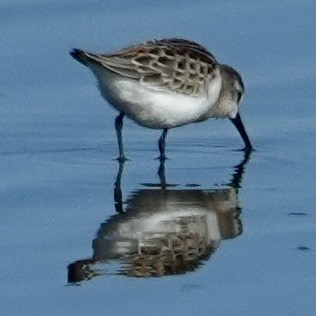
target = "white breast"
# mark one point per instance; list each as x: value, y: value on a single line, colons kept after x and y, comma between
x: 155, y: 108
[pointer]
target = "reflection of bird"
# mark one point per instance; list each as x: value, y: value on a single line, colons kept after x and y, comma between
x: 161, y: 232
x: 167, y: 83
x: 165, y: 232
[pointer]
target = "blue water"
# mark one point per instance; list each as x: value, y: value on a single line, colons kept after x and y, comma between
x: 58, y: 175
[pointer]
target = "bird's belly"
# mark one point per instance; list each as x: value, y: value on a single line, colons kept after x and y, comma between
x: 155, y: 108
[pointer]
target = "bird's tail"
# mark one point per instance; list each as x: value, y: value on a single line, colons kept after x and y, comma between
x: 80, y: 56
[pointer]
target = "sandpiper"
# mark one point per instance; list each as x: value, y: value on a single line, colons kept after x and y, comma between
x: 166, y: 83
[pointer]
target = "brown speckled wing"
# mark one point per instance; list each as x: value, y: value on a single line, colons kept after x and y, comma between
x: 175, y: 65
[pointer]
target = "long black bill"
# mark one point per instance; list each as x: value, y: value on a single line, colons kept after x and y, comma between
x: 241, y: 129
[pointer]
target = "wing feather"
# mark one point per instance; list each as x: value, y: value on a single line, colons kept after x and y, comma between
x: 174, y: 65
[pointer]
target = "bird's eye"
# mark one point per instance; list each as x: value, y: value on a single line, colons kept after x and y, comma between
x: 239, y: 96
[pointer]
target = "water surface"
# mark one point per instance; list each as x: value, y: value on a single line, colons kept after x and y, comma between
x: 221, y: 234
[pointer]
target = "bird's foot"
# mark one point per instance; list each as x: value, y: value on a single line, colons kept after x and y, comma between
x: 122, y: 159
x: 162, y: 158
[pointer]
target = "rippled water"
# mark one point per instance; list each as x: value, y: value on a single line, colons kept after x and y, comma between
x: 211, y: 231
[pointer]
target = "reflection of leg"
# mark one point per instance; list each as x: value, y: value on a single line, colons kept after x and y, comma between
x: 118, y: 127
x: 162, y: 144
x: 118, y: 203
x: 161, y: 174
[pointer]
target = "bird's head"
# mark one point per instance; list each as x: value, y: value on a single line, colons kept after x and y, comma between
x: 231, y: 95
x: 232, y: 90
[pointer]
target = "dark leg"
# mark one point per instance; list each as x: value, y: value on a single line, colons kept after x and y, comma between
x: 118, y: 127
x: 162, y: 175
x: 162, y: 144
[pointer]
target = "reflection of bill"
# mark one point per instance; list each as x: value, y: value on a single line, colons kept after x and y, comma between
x: 163, y: 232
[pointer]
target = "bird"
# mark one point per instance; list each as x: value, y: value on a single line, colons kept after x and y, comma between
x: 166, y: 83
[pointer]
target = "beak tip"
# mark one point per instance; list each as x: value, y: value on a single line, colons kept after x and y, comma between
x: 241, y: 129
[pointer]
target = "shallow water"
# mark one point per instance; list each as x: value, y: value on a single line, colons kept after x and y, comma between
x: 224, y: 234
